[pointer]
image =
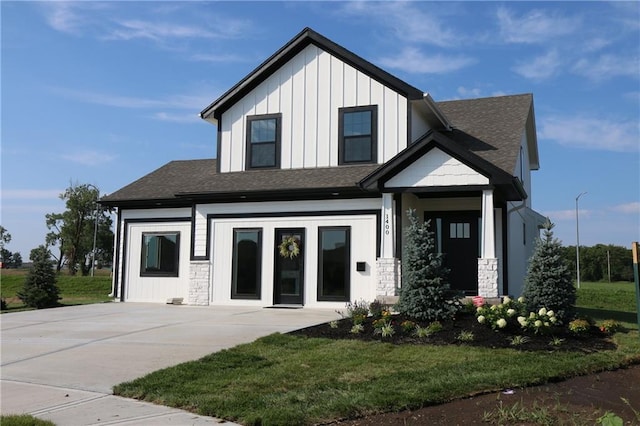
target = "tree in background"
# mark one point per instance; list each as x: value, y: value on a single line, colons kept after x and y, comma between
x: 72, y: 231
x: 548, y: 283
x: 425, y: 294
x: 40, y: 289
x: 8, y: 259
x: 595, y: 262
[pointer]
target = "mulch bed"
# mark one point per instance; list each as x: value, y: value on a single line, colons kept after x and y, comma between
x: 593, y: 340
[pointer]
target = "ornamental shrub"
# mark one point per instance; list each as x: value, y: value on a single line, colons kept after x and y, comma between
x: 40, y: 289
x: 548, y: 282
x: 425, y: 294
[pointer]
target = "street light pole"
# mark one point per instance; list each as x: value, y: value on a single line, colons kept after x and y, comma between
x: 578, y: 241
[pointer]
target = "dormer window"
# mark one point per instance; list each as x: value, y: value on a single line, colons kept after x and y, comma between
x: 358, y: 136
x: 263, y: 141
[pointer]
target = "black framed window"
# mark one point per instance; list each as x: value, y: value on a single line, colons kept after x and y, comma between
x: 358, y: 134
x: 160, y: 254
x: 247, y: 261
x: 334, y: 270
x: 263, y: 141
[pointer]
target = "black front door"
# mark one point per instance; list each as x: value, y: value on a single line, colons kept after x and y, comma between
x: 457, y: 238
x: 289, y: 267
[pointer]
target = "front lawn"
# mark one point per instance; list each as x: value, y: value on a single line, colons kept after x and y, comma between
x: 74, y: 290
x: 287, y: 379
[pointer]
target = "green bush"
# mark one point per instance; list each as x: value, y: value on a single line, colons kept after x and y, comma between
x: 548, y: 283
x: 40, y: 289
x: 425, y: 294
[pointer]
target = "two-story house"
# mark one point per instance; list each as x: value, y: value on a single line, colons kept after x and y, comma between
x: 319, y: 155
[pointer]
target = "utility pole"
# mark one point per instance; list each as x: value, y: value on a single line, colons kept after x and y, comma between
x: 578, y: 242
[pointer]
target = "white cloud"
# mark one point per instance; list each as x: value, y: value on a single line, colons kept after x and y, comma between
x: 412, y: 60
x: 89, y: 158
x: 608, y: 66
x: 31, y: 194
x: 157, y: 31
x: 191, y: 102
x: 541, y: 67
x: 469, y: 93
x: 628, y: 208
x: 176, y: 118
x: 70, y: 17
x: 536, y: 26
x: 566, y: 215
x: 592, y: 133
x: 408, y: 22
x: 220, y: 58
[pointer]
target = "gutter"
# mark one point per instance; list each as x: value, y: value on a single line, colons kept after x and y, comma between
x: 433, y: 107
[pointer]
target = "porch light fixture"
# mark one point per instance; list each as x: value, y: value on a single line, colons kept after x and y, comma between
x: 578, y: 241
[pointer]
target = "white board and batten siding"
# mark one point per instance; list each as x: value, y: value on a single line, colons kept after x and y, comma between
x: 156, y: 289
x: 436, y: 168
x: 308, y: 91
x: 363, y: 249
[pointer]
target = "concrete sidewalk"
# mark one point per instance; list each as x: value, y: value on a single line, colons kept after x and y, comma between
x: 61, y: 364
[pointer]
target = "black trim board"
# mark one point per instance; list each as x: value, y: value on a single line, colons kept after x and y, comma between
x: 117, y: 257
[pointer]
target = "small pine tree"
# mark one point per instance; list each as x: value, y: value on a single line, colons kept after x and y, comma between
x: 40, y: 290
x: 425, y: 294
x: 548, y: 282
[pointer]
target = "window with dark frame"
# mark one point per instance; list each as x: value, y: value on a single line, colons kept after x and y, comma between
x: 160, y: 254
x: 358, y: 134
x: 334, y: 264
x: 263, y: 141
x: 247, y: 262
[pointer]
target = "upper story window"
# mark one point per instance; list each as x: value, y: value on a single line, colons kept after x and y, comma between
x: 358, y: 136
x: 263, y: 141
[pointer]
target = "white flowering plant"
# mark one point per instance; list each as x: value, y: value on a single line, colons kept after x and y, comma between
x: 539, y: 322
x: 499, y: 316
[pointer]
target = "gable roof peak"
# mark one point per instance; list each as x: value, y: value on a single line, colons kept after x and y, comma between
x: 305, y: 37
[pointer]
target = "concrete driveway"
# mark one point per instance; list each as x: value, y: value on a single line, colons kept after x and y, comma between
x: 61, y: 364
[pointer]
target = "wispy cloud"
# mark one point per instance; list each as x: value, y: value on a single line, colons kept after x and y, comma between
x: 71, y: 17
x: 31, y: 194
x: 566, y: 215
x: 88, y: 158
x: 469, y: 93
x: 221, y: 58
x: 536, y: 26
x: 412, y: 60
x: 596, y: 133
x: 408, y: 22
x: 608, y: 66
x: 159, y: 31
x: 176, y: 118
x: 190, y: 102
x: 628, y: 208
x: 541, y: 67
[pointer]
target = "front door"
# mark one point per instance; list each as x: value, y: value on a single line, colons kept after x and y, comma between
x: 289, y: 267
x: 457, y: 238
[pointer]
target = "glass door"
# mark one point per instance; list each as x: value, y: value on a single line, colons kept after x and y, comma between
x: 289, y: 267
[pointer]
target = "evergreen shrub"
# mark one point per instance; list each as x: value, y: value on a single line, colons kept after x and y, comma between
x: 40, y: 289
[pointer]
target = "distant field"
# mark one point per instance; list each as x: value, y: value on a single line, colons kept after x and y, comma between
x: 75, y: 290
x: 608, y: 301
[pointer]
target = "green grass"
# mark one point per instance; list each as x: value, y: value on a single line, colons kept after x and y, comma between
x: 74, y: 290
x: 282, y: 379
x: 23, y: 420
x: 602, y: 301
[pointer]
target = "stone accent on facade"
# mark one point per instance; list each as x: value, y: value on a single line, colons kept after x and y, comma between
x: 388, y: 276
x: 199, y: 274
x: 488, y: 277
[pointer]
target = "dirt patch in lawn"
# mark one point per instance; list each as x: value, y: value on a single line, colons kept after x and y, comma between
x: 577, y: 401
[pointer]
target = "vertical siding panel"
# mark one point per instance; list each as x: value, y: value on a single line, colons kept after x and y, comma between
x: 286, y: 103
x: 260, y: 99
x: 350, y: 86
x: 226, y: 136
x: 236, y: 144
x: 402, y: 124
x: 298, y: 114
x: 324, y: 109
x: 378, y: 98
x: 311, y: 107
x: 389, y: 149
x: 363, y: 92
x: 273, y: 94
x: 336, y: 101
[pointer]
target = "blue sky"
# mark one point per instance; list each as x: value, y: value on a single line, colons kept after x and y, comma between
x: 104, y: 93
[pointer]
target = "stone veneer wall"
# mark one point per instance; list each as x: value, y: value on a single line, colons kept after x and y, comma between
x: 199, y: 274
x: 388, y: 276
x: 488, y: 277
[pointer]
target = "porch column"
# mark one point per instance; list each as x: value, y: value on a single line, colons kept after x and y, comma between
x: 488, y: 272
x: 387, y: 265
